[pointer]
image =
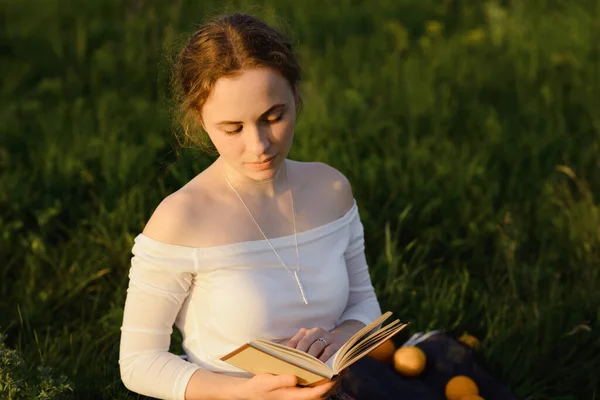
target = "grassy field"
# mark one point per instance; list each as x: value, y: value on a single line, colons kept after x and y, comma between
x: 470, y: 132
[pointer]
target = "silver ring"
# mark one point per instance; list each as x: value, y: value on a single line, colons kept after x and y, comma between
x: 324, y: 341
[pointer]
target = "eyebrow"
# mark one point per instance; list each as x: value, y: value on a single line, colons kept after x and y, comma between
x: 269, y: 111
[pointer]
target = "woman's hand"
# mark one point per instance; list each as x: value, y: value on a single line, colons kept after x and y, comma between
x: 276, y: 387
x: 307, y: 340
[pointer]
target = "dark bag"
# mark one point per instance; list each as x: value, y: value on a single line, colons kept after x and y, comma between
x: 369, y: 379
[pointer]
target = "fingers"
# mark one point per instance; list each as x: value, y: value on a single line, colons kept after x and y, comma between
x: 271, y: 382
x: 318, y: 392
x: 327, y: 353
x: 287, y: 380
x: 307, y: 340
x: 285, y: 386
x: 310, y: 339
x: 293, y: 342
x: 316, y: 348
x: 303, y: 393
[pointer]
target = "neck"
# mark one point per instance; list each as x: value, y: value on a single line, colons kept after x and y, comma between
x: 269, y: 187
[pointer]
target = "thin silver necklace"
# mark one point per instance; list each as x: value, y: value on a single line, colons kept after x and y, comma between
x: 294, y: 273
x: 255, y: 183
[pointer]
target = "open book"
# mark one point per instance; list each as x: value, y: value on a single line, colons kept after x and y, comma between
x: 262, y: 356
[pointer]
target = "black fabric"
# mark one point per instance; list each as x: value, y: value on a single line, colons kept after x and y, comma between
x: 369, y: 379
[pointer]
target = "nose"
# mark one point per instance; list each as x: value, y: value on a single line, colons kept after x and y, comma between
x: 258, y: 141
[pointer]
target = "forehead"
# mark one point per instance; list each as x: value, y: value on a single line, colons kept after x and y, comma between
x: 246, y: 95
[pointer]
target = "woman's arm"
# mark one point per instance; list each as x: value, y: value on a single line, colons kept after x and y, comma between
x: 158, y: 285
x: 206, y: 385
x: 159, y: 281
x: 363, y: 304
x: 347, y: 329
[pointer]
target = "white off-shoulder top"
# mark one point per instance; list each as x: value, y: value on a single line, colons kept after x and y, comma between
x: 221, y: 297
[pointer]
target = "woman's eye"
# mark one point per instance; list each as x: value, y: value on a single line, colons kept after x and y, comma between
x: 273, y: 120
x: 268, y: 121
x: 238, y: 130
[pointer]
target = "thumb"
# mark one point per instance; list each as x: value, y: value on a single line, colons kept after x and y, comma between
x: 286, y: 380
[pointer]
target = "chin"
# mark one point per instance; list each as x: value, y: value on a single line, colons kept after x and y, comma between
x: 263, y: 174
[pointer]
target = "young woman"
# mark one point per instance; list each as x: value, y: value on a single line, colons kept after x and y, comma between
x: 256, y: 245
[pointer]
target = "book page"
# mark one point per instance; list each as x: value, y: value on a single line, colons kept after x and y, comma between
x: 331, y: 360
x: 288, y: 349
x: 363, y: 353
x: 370, y: 340
x: 292, y: 355
x: 375, y: 336
x: 360, y: 334
x: 263, y: 356
x: 257, y: 361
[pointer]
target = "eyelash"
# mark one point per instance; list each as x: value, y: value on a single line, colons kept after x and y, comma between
x: 238, y: 130
x: 269, y: 121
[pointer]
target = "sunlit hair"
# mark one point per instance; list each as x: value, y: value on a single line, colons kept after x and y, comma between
x: 222, y: 47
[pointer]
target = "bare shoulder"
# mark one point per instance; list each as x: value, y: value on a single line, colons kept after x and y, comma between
x: 333, y: 182
x: 172, y: 218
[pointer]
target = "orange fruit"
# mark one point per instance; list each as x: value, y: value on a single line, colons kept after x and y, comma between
x: 470, y: 341
x: 460, y: 387
x: 384, y: 352
x: 472, y: 397
x: 409, y: 360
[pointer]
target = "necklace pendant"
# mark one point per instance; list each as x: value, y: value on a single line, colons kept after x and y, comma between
x: 300, y: 287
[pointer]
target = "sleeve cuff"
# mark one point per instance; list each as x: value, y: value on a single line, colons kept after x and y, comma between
x: 183, y: 381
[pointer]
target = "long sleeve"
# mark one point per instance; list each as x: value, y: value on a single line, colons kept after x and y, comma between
x: 158, y: 286
x: 362, y: 301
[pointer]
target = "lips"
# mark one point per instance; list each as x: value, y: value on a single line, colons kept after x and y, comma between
x: 262, y: 162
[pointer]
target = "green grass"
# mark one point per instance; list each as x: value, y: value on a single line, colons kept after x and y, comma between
x: 470, y: 132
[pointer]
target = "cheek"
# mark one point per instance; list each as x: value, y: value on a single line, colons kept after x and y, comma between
x: 284, y: 130
x: 215, y: 139
x: 223, y: 143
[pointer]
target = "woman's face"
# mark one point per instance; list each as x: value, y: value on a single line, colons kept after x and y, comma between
x: 250, y: 118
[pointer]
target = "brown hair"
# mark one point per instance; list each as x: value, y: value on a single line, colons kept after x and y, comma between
x: 221, y: 47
